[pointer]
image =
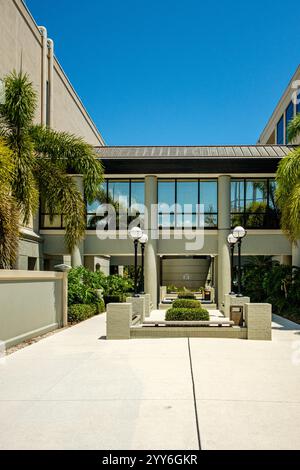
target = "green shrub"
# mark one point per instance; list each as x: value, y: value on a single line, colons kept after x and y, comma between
x: 171, y: 288
x: 187, y: 314
x: 82, y: 286
x: 186, y: 295
x: 186, y: 303
x: 80, y: 312
x: 100, y: 306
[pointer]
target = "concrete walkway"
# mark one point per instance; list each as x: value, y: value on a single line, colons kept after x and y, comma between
x: 74, y: 390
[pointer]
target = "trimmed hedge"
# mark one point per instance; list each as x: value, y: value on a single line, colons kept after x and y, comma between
x: 186, y: 303
x: 80, y: 312
x: 187, y: 314
x: 186, y: 295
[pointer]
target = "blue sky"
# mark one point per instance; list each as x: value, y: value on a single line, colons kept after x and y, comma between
x: 175, y: 72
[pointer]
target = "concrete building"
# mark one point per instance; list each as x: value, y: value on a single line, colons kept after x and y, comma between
x: 235, y: 186
x: 275, y: 131
x: 25, y: 45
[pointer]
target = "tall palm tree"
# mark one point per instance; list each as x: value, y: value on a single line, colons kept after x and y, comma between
x: 9, y: 225
x: 288, y: 186
x: 43, y: 161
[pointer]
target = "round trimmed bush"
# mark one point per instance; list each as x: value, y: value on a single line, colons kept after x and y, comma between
x: 186, y: 295
x: 187, y: 314
x: 81, y: 312
x: 186, y: 303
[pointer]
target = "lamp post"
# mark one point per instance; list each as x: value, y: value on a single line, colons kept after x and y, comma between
x: 135, y: 234
x: 239, y: 233
x: 232, y: 241
x: 143, y: 240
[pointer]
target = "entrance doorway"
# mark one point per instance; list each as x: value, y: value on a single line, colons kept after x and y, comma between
x: 191, y: 272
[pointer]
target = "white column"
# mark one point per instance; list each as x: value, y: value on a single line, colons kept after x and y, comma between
x: 296, y: 254
x: 151, y: 226
x: 223, y: 230
x: 78, y: 250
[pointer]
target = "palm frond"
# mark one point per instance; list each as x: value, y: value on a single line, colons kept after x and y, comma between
x: 9, y: 230
x: 72, y: 154
x: 293, y: 129
x: 288, y: 194
x: 20, y: 102
x: 17, y: 113
x: 61, y: 195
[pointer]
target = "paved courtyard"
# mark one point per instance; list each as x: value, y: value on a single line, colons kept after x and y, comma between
x: 75, y: 390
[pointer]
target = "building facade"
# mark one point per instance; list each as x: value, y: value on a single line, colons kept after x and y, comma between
x: 26, y: 46
x: 275, y: 131
x: 224, y: 186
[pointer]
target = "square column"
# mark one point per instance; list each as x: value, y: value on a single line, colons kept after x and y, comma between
x: 224, y: 274
x: 151, y: 228
x: 78, y: 251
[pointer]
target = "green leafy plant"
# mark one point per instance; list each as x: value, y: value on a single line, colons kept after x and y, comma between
x: 186, y: 303
x: 81, y: 312
x: 186, y: 295
x: 171, y: 288
x: 83, y: 285
x: 42, y: 163
x: 187, y: 314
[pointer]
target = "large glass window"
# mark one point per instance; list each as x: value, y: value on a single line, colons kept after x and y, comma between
x: 178, y: 200
x: 124, y: 195
x: 280, y: 133
x: 253, y: 203
x: 289, y: 114
x: 298, y: 104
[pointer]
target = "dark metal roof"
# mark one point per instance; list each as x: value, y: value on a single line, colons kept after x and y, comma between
x: 194, y: 152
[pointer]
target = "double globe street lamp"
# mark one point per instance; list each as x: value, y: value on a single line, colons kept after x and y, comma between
x: 236, y: 236
x: 138, y: 236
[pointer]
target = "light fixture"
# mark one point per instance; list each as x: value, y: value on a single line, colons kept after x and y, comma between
x: 136, y: 233
x: 143, y: 240
x: 232, y: 241
x: 239, y: 233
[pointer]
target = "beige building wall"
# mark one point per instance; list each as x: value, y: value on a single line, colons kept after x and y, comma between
x: 268, y: 135
x: 21, y: 46
x: 24, y: 45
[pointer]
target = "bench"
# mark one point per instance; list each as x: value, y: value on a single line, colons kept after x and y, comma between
x: 220, y: 323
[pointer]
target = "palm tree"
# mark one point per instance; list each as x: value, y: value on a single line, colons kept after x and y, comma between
x: 9, y: 225
x: 43, y: 161
x: 288, y: 186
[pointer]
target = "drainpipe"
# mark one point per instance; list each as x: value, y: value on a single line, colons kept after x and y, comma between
x: 51, y: 73
x: 43, y: 32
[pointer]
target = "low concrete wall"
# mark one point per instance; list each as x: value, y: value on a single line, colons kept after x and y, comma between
x: 119, y: 319
x: 138, y: 306
x: 231, y: 300
x: 258, y: 319
x: 32, y: 303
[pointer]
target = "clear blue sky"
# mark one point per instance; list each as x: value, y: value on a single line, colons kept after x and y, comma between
x: 180, y: 72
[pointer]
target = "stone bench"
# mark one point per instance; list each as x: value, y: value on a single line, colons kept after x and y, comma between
x: 220, y: 323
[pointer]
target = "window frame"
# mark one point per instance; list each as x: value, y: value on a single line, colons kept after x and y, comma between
x: 193, y: 214
x: 245, y: 214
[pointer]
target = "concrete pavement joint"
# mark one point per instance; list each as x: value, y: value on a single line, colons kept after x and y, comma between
x: 194, y: 395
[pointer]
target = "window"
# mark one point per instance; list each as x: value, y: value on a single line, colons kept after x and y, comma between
x: 280, y: 134
x: 298, y: 103
x: 289, y: 114
x: 178, y: 200
x: 253, y: 203
x: 47, y: 222
x: 124, y: 195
